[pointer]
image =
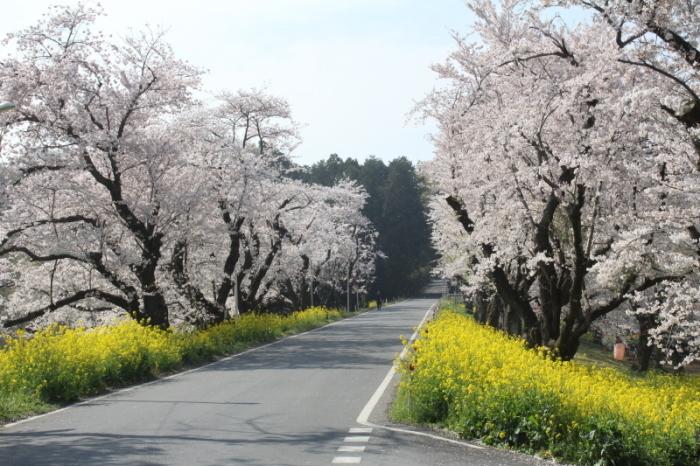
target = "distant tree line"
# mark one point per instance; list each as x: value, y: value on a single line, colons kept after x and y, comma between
x: 397, y: 207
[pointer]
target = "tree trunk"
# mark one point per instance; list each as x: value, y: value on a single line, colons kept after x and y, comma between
x: 194, y: 295
x: 481, y: 305
x: 251, y: 300
x: 155, y: 310
x: 304, y: 284
x: 227, y: 283
x: 567, y: 348
x: 493, y: 314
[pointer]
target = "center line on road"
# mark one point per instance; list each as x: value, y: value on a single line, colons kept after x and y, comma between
x: 347, y: 459
x: 361, y: 430
x: 351, y: 448
x: 357, y: 439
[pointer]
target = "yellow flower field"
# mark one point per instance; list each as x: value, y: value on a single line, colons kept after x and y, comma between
x: 484, y: 384
x: 60, y: 364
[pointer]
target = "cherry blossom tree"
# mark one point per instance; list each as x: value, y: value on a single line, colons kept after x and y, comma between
x: 564, y: 188
x: 121, y: 191
x: 661, y: 38
x: 95, y: 153
x: 252, y: 244
x: 337, y: 254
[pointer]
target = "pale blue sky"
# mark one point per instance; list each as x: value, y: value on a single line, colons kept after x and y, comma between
x: 351, y: 69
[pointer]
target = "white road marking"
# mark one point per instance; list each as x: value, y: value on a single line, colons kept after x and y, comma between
x: 377, y: 395
x: 361, y: 430
x: 352, y: 448
x: 357, y: 439
x: 347, y: 459
x: 363, y: 418
x: 425, y: 434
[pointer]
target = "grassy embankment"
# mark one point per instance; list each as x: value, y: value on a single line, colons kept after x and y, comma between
x: 483, y: 384
x: 59, y: 365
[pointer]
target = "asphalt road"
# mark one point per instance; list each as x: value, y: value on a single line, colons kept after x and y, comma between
x: 293, y: 402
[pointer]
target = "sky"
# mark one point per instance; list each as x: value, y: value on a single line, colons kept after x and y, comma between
x: 352, y: 70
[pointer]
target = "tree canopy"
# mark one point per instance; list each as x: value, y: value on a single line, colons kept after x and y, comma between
x: 122, y: 191
x: 567, y: 169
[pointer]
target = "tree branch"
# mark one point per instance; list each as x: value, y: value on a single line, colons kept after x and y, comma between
x: 457, y: 205
x: 67, y: 301
x: 664, y: 73
x: 626, y: 289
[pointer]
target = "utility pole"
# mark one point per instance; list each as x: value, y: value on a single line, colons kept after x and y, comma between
x: 236, y: 305
x: 311, y: 290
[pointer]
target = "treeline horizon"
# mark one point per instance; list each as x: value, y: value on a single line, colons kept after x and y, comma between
x: 397, y: 207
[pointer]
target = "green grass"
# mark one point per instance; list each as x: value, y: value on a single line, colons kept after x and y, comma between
x: 14, y: 406
x: 447, y: 304
x: 596, y: 355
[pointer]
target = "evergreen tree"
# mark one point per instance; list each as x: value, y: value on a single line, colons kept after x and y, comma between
x: 405, y: 235
x: 396, y: 207
x: 372, y: 176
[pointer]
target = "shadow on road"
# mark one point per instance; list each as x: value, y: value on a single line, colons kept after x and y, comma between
x: 66, y: 447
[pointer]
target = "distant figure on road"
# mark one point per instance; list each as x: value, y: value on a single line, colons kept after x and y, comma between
x: 379, y: 299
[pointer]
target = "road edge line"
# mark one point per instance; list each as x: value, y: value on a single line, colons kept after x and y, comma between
x: 363, y: 417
